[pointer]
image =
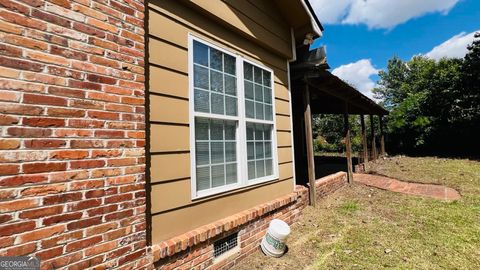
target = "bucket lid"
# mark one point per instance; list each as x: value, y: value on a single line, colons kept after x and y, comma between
x: 279, y: 228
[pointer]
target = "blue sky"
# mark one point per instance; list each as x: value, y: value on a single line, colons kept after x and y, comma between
x: 361, y: 35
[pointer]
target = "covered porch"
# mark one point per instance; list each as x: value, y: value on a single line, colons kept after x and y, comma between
x: 316, y: 91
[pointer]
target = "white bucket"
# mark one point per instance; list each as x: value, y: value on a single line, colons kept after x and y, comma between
x: 273, y: 243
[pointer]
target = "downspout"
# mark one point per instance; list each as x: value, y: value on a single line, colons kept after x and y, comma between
x: 294, y: 58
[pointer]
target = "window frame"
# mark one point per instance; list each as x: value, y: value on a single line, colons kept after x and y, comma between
x: 241, y: 120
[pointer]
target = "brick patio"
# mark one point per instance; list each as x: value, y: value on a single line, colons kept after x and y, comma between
x: 390, y: 184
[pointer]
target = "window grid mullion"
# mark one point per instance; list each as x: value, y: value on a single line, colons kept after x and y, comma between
x: 242, y: 145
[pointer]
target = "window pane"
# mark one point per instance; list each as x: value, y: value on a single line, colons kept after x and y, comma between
x: 259, y: 150
x: 217, y: 103
x: 251, y: 170
x: 216, y: 59
x: 261, y: 93
x: 268, y: 149
x: 202, y: 153
x: 250, y: 109
x: 268, y: 167
x: 231, y: 106
x: 201, y: 101
x: 200, y: 53
x: 213, y: 150
x: 268, y: 112
x: 230, y: 130
x: 267, y: 133
x: 218, y: 175
x: 249, y: 90
x: 259, y: 110
x: 250, y: 150
x: 216, y: 130
x: 266, y: 78
x: 231, y: 173
x: 267, y: 94
x: 203, y: 178
x: 260, y: 168
x: 248, y: 71
x: 201, y: 129
x: 230, y: 152
x: 230, y: 85
x: 258, y: 132
x: 216, y: 81
x: 217, y: 152
x: 200, y: 77
x: 229, y: 64
x: 258, y: 93
x: 250, y: 131
x: 257, y: 73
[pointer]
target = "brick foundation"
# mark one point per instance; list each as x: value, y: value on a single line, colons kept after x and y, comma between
x: 194, y: 250
x: 72, y: 132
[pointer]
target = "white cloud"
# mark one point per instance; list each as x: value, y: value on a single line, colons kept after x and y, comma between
x: 377, y: 13
x: 358, y: 74
x: 455, y: 47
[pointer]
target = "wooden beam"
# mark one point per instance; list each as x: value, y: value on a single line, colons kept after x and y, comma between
x: 364, y: 141
x: 382, y: 137
x: 309, y: 143
x: 372, y: 131
x: 348, y: 146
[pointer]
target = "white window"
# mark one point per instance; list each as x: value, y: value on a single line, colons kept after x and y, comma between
x: 233, y: 141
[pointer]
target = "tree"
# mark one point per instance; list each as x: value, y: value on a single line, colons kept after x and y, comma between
x: 434, y: 105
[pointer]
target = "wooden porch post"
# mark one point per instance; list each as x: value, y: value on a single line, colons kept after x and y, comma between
x: 374, y: 146
x: 309, y: 143
x: 364, y: 141
x: 348, y: 147
x: 382, y: 137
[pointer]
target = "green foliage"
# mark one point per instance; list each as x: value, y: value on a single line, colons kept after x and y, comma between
x: 434, y: 105
x: 329, y: 133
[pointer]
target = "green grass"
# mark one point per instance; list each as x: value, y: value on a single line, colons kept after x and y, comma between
x: 349, y: 207
x: 360, y: 227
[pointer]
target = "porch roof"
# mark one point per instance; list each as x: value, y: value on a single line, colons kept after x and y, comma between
x: 329, y: 94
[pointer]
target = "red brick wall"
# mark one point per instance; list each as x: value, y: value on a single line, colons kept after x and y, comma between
x: 72, y: 128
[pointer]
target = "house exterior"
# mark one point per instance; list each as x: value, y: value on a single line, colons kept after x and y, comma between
x: 141, y: 135
x: 226, y: 128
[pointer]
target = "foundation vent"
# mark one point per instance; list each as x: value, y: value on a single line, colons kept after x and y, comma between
x: 225, y: 244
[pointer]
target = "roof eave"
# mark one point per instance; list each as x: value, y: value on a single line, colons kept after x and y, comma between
x: 316, y: 24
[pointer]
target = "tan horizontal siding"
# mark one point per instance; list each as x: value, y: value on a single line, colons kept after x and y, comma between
x: 168, y: 109
x: 170, y: 195
x: 284, y: 155
x: 286, y: 171
x: 282, y: 107
x: 248, y: 26
x: 281, y: 91
x: 262, y: 18
x: 269, y: 8
x: 167, y: 55
x: 164, y: 81
x: 284, y: 138
x: 283, y: 122
x: 179, y: 221
x: 169, y: 138
x: 166, y: 14
x: 166, y: 167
